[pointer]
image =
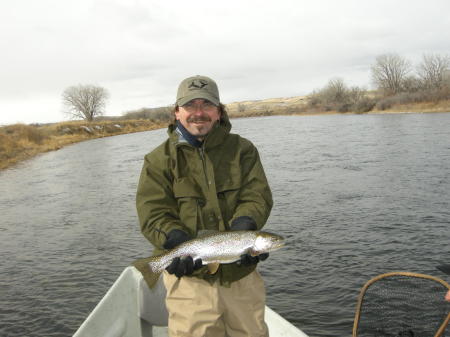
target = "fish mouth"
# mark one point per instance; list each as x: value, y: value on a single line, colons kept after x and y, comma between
x: 278, y: 245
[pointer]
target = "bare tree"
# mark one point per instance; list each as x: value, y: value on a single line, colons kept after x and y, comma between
x: 84, y: 101
x: 412, y: 83
x: 336, y: 95
x: 389, y: 73
x: 433, y: 70
x: 356, y: 94
x: 334, y: 92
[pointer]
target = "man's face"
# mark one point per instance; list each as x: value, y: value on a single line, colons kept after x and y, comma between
x: 198, y: 117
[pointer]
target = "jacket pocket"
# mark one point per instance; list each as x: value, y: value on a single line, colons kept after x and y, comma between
x: 228, y: 196
x: 189, y: 198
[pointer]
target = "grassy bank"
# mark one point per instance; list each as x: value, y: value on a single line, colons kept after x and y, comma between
x: 300, y: 106
x: 423, y: 107
x: 19, y: 142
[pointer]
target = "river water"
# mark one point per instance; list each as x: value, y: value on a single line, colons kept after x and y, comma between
x: 355, y: 195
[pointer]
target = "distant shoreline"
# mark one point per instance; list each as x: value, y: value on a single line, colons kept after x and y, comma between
x: 20, y: 142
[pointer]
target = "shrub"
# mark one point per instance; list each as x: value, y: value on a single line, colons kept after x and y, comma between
x: 7, y: 145
x: 162, y: 114
x: 29, y: 133
x: 336, y: 96
x: 365, y: 104
x: 35, y: 135
x: 427, y: 95
x: 383, y: 104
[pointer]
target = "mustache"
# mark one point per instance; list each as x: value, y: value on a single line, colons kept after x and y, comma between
x: 195, y: 119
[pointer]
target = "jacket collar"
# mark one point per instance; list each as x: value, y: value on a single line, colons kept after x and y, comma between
x: 185, y: 136
x: 215, y: 137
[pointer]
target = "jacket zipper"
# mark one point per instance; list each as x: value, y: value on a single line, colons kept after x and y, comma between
x: 202, y: 156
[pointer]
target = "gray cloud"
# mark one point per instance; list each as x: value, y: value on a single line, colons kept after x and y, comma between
x: 141, y: 50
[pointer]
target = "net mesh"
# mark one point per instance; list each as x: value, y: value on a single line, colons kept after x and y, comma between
x: 402, y: 304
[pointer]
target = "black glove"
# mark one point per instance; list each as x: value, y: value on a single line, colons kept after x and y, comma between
x: 243, y: 223
x: 175, y: 238
x: 180, y: 266
x: 246, y: 223
x: 248, y: 260
x: 184, y: 266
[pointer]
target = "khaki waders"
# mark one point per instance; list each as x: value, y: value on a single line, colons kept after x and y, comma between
x: 200, y: 309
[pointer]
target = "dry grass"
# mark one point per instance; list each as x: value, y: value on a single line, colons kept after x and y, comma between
x: 19, y: 142
x: 441, y: 106
x: 299, y: 106
x: 267, y: 107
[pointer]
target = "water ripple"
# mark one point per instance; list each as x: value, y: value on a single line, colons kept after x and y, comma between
x: 355, y: 196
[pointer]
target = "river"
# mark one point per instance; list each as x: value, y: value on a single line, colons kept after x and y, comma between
x: 355, y: 195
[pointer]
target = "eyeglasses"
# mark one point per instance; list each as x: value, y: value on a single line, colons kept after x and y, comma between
x: 205, y: 107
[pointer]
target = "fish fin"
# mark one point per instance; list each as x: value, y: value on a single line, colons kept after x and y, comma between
x: 253, y: 252
x: 206, y: 232
x: 213, y: 267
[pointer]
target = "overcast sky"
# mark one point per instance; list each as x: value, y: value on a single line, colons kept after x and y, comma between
x: 139, y: 50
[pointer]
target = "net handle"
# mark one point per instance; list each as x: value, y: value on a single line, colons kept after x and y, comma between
x: 398, y: 273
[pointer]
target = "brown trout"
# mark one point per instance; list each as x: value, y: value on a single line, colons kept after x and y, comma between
x: 220, y: 247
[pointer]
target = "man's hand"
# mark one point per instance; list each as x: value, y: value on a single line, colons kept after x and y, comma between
x: 184, y: 266
x: 180, y: 266
x: 246, y: 223
x: 243, y: 223
x: 248, y: 260
x: 175, y: 238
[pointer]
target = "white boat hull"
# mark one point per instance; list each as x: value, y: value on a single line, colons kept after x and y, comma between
x: 131, y: 309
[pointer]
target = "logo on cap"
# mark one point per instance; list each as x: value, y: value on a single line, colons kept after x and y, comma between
x: 197, y: 84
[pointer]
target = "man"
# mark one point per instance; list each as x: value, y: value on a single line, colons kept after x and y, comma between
x: 205, y: 178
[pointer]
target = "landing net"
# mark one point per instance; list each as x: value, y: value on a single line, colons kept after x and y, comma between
x: 402, y: 304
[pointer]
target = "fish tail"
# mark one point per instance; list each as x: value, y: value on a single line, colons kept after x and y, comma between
x: 158, y: 263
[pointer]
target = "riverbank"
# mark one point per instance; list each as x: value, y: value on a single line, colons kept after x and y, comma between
x: 20, y: 142
x: 298, y: 106
x: 424, y: 107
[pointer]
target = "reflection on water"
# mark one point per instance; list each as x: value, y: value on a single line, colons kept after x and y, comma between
x: 356, y: 196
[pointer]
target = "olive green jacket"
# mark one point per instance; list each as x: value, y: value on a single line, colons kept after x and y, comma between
x: 192, y: 189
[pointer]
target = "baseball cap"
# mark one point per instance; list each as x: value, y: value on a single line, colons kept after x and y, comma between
x: 197, y: 87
